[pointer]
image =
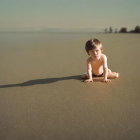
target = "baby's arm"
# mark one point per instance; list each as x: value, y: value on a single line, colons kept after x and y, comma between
x: 89, y: 71
x: 105, y: 67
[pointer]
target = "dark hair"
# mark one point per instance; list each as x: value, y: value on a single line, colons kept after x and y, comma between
x: 92, y: 44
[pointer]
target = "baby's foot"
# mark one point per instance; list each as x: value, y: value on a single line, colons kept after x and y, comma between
x: 117, y: 75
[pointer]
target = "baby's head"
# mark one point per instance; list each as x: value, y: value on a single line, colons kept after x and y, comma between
x: 93, y: 44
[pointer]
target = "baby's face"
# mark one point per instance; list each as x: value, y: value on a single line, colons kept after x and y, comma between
x: 95, y: 53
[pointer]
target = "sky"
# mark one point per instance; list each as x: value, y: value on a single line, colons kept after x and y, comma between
x: 68, y: 14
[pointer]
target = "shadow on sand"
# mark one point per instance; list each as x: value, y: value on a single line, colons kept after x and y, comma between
x: 45, y: 81
x: 41, y: 81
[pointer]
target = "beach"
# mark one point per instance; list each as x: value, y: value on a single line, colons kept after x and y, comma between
x: 43, y: 98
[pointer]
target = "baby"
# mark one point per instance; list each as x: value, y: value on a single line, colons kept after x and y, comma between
x: 97, y: 62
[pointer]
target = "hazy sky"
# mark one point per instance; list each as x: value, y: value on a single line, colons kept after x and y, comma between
x: 40, y: 14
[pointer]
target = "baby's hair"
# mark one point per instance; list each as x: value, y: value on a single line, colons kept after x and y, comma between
x: 92, y: 44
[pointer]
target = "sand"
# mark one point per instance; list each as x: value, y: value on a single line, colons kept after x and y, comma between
x: 43, y: 98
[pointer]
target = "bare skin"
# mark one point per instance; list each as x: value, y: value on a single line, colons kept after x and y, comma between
x: 97, y: 65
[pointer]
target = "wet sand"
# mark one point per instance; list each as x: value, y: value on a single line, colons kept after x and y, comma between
x: 43, y: 98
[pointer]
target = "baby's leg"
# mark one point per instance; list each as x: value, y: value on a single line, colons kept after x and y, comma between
x: 112, y: 75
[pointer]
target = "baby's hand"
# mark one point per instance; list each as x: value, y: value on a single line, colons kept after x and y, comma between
x: 88, y: 80
x: 107, y: 80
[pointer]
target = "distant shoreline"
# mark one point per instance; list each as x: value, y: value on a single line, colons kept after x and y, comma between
x: 77, y: 32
